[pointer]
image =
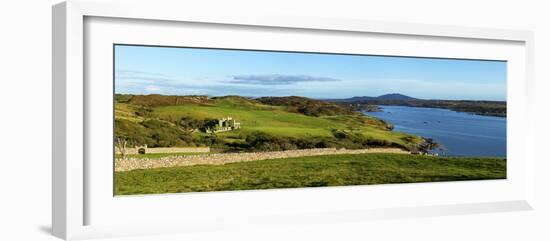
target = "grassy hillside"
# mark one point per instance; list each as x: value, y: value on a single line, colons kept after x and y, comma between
x: 335, y: 170
x: 161, y: 100
x: 153, y: 120
x: 306, y: 106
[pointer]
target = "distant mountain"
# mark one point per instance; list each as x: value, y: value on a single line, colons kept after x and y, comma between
x: 392, y: 96
x: 370, y: 104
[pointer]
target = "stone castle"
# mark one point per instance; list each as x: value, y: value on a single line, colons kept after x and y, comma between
x: 224, y: 124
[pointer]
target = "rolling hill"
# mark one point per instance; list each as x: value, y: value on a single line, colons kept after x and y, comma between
x: 267, y: 123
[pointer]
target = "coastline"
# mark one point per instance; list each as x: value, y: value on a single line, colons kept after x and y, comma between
x: 459, y: 133
x: 379, y: 108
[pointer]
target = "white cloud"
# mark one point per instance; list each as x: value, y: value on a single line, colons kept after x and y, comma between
x: 153, y: 88
x: 278, y: 79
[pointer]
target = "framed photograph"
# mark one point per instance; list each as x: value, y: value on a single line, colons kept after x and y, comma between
x: 178, y: 121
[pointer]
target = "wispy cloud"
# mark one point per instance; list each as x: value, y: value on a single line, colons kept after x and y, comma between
x: 277, y: 79
x: 141, y: 76
x: 141, y: 82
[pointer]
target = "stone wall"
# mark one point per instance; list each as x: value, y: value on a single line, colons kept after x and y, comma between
x: 130, y: 163
x: 131, y: 150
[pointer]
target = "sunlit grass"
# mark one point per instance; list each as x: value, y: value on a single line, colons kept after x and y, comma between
x: 332, y: 170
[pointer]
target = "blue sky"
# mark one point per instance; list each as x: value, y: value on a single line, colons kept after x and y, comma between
x: 214, y: 72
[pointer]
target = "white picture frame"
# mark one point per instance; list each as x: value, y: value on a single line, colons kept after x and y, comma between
x: 74, y: 198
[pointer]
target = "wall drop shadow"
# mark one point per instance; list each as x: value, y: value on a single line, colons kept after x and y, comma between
x: 46, y: 229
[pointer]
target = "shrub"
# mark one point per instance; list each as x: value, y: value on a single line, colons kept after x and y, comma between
x: 144, y: 111
x: 152, y: 132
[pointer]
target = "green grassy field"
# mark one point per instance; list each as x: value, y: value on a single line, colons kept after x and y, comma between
x: 334, y: 170
x: 155, y: 124
x: 275, y: 121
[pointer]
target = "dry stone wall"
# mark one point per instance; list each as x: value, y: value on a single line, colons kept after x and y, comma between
x: 131, y: 150
x: 131, y: 163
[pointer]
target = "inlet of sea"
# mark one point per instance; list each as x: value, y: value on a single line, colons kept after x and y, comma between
x: 462, y: 134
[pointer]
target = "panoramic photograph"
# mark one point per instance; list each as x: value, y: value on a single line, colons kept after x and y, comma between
x: 205, y: 119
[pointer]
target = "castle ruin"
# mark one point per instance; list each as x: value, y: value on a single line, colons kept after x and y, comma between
x: 224, y: 124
